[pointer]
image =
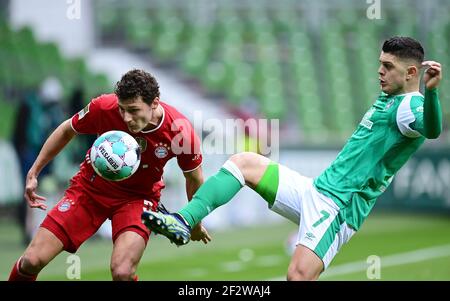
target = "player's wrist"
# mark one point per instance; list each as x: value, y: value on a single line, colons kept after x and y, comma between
x: 32, y: 174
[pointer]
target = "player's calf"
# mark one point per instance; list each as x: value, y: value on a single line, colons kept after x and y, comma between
x: 31, y: 264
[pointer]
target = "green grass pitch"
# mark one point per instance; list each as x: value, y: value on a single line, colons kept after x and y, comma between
x: 411, y: 247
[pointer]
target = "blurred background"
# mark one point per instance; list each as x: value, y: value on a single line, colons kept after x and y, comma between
x: 311, y: 65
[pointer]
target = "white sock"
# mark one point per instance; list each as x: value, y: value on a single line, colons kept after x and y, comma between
x: 235, y: 171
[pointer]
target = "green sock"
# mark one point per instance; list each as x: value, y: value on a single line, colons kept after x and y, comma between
x: 215, y: 192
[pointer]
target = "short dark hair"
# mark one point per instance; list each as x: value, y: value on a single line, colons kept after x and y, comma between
x: 137, y: 83
x: 404, y: 48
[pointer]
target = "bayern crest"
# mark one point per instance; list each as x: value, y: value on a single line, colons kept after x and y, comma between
x: 161, y: 150
x: 64, y: 205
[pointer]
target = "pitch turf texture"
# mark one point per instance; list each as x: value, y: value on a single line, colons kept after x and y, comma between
x: 411, y: 247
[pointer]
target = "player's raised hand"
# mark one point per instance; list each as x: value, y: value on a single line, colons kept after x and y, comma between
x: 433, y: 74
x: 34, y: 200
x: 200, y: 233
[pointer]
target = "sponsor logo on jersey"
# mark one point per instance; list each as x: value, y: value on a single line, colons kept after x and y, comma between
x: 162, y: 150
x: 365, y: 122
x: 309, y: 236
x: 64, y: 205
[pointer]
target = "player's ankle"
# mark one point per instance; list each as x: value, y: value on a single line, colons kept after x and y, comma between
x: 183, y: 220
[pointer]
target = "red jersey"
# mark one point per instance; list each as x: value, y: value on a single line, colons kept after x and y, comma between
x: 173, y: 137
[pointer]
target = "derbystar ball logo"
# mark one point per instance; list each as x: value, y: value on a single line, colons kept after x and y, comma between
x: 107, y: 157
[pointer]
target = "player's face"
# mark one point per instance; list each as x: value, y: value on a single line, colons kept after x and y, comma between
x: 136, y: 113
x: 392, y: 74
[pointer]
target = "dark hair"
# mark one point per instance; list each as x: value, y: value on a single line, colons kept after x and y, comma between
x: 137, y: 83
x: 404, y: 48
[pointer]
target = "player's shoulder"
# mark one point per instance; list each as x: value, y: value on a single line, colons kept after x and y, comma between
x: 105, y: 101
x: 416, y: 100
x: 411, y: 100
x: 171, y: 112
x: 410, y: 104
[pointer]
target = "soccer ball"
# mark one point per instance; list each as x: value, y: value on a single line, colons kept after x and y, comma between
x: 115, y: 155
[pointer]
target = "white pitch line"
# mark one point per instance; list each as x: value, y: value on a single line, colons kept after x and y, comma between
x: 232, y: 266
x: 386, y: 261
x: 269, y: 260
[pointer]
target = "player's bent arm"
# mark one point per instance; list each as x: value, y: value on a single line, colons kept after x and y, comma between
x: 194, y: 179
x: 432, y: 114
x: 52, y: 146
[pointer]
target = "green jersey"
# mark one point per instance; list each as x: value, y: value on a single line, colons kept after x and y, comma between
x: 388, y: 134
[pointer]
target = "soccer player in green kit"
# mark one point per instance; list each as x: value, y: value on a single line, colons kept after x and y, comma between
x: 332, y: 207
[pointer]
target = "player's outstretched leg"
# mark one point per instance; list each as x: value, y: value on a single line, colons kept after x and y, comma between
x: 171, y: 225
x: 241, y: 169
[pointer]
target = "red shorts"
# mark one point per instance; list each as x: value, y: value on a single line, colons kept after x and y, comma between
x: 77, y: 216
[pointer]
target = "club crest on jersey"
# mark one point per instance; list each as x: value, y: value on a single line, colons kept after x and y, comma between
x: 161, y: 150
x: 64, y: 205
x: 142, y: 143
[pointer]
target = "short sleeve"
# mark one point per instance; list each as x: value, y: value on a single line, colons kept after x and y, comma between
x: 86, y: 121
x: 186, y: 146
x: 410, y: 116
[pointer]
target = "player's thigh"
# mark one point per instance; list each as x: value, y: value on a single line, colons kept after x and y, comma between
x: 75, y: 218
x: 130, y: 237
x: 127, y: 217
x: 252, y: 166
x: 42, y: 249
x: 288, y: 189
x: 322, y: 228
x: 127, y: 251
x: 304, y: 265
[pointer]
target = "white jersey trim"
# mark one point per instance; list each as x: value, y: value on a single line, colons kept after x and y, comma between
x: 193, y: 168
x: 159, y: 125
x: 71, y: 125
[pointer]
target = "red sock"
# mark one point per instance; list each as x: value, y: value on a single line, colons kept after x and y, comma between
x: 135, y: 278
x: 17, y: 275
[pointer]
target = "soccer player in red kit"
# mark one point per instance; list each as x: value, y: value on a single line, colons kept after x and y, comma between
x: 162, y: 133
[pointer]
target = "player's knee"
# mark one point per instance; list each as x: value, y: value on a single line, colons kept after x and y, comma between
x: 240, y: 159
x: 31, y: 263
x: 300, y: 273
x: 122, y: 272
x: 251, y: 165
x: 246, y: 161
